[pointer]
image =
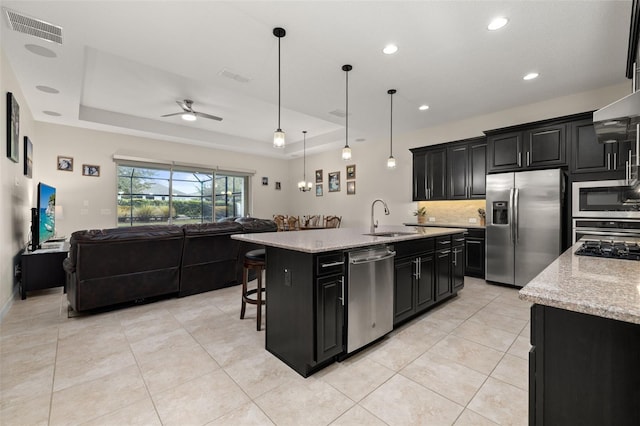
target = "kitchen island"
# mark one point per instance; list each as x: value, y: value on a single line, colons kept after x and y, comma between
x: 307, y: 284
x: 584, y: 366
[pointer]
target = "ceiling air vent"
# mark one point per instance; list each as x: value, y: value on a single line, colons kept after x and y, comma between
x: 35, y: 27
x: 234, y: 76
x: 338, y: 113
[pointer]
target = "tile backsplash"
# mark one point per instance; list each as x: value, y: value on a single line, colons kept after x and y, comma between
x: 458, y: 212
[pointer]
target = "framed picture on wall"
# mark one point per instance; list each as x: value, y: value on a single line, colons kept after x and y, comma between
x: 13, y: 128
x: 319, y: 190
x: 278, y: 186
x: 265, y: 181
x: 90, y: 170
x: 351, y: 172
x: 351, y: 187
x: 65, y: 163
x: 319, y: 176
x: 334, y: 181
x: 28, y: 157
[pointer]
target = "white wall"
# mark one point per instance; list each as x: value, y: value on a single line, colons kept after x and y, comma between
x: 16, y: 197
x: 374, y: 180
x: 90, y: 202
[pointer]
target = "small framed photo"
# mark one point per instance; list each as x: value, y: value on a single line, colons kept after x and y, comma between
x: 278, y: 186
x: 319, y: 190
x: 265, y: 181
x: 351, y: 172
x: 319, y: 176
x: 65, y: 163
x: 13, y: 128
x: 90, y: 170
x: 334, y: 182
x: 351, y: 187
x: 28, y: 157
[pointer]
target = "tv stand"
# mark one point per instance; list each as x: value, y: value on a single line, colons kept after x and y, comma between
x: 42, y: 268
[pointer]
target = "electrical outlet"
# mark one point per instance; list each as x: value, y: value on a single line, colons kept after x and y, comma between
x: 432, y: 219
x: 473, y: 220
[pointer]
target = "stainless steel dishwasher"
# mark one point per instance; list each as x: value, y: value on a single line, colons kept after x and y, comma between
x: 369, y: 295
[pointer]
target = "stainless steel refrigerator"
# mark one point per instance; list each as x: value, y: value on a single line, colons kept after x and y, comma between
x: 524, y: 224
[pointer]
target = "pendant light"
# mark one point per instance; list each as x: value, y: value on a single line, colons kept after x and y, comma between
x: 303, y: 185
x: 346, y: 151
x: 278, y: 136
x: 391, y: 162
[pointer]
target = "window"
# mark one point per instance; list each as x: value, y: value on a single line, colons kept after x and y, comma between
x: 161, y: 194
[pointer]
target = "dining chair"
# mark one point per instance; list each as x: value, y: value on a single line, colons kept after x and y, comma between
x: 332, y: 221
x: 313, y: 220
x: 280, y: 222
x: 294, y: 223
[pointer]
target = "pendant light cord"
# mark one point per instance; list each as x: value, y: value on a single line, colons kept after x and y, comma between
x: 279, y: 84
x: 304, y: 158
x: 391, y: 129
x: 346, y: 138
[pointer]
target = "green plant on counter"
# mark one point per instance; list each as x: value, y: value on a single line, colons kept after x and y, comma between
x: 420, y: 212
x: 482, y: 213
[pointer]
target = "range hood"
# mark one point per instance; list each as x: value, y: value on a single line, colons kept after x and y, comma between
x: 617, y: 122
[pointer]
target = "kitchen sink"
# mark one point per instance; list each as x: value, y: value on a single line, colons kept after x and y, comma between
x: 390, y: 234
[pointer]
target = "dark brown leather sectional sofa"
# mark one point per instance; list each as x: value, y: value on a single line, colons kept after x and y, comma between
x: 108, y: 267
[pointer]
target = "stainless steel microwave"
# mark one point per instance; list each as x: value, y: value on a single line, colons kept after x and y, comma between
x: 605, y: 199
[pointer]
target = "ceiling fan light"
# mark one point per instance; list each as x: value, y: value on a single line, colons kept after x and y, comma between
x: 391, y: 162
x: 188, y: 116
x: 278, y: 139
x: 346, y: 153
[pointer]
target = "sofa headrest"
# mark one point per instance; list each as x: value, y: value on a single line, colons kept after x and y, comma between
x: 252, y: 224
x: 212, y: 228
x: 127, y: 233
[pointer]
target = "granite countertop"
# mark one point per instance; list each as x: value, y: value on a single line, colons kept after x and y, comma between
x: 321, y: 240
x: 447, y: 225
x: 608, y: 288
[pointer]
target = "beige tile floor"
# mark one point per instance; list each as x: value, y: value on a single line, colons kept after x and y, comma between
x: 192, y: 361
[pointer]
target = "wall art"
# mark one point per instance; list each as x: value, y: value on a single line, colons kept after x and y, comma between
x: 351, y: 172
x: 13, y: 128
x: 28, y: 157
x: 334, y: 181
x: 65, y: 163
x: 319, y: 176
x: 351, y: 187
x: 90, y: 170
x: 319, y: 190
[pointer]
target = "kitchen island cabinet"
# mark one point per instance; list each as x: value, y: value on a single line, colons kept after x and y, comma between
x: 585, y: 334
x: 307, y: 313
x: 413, y: 288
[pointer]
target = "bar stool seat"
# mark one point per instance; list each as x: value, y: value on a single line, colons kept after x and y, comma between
x: 254, y: 259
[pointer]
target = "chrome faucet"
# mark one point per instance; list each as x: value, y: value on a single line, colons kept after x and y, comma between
x: 374, y: 224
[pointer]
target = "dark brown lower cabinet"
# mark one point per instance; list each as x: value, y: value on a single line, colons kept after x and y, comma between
x: 583, y: 369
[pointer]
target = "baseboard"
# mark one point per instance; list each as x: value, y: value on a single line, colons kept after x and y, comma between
x: 9, y: 303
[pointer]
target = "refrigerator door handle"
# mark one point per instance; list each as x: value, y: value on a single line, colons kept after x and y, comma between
x: 510, y: 218
x: 516, y: 224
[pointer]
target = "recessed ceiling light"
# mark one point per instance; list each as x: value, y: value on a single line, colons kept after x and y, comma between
x: 531, y: 76
x: 52, y: 113
x: 390, y: 49
x: 423, y: 107
x: 497, y: 23
x: 47, y: 89
x: 41, y: 51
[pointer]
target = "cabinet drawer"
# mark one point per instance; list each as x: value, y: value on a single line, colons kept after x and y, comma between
x: 330, y: 263
x: 443, y: 242
x: 475, y: 233
x: 457, y: 239
x: 414, y: 247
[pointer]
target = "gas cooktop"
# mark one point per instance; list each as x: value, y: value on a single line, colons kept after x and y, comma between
x: 610, y: 249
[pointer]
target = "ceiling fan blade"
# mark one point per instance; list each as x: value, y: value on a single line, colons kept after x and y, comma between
x: 204, y: 115
x: 170, y: 115
x: 184, y: 105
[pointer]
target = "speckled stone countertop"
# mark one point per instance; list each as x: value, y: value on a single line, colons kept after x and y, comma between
x: 447, y: 225
x: 321, y: 240
x: 608, y: 288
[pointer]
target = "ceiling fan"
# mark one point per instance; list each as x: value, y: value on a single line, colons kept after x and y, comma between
x: 189, y: 114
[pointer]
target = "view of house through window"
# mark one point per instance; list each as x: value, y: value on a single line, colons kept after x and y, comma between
x: 161, y: 194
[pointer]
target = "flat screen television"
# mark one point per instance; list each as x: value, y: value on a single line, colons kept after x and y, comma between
x: 43, y: 217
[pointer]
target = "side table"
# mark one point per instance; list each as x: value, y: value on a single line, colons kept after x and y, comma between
x: 42, y: 268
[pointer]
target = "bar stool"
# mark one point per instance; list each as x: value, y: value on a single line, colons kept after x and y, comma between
x: 254, y: 259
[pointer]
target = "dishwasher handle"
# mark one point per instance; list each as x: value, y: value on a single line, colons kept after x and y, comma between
x: 358, y: 261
